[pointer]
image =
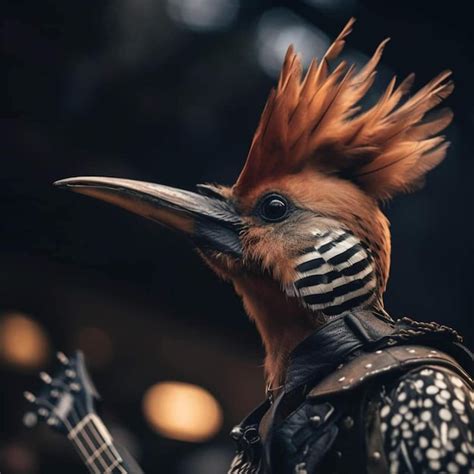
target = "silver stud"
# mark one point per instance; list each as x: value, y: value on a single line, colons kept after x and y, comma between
x: 46, y: 378
x: 433, y: 352
x: 345, y: 387
x: 75, y: 387
x: 43, y: 412
x: 52, y: 421
x: 340, y: 366
x: 54, y: 393
x: 376, y: 455
x: 341, y: 379
x: 236, y: 433
x: 301, y: 468
x: 348, y: 422
x: 368, y: 366
x: 316, y: 419
x: 411, y: 351
x: 70, y: 373
x: 29, y: 396
x: 378, y: 352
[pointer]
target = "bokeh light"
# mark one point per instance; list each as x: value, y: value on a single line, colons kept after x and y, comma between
x: 202, y: 15
x: 23, y: 343
x: 182, y: 411
x: 277, y: 29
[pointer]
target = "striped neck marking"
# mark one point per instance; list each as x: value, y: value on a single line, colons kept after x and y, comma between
x: 335, y: 275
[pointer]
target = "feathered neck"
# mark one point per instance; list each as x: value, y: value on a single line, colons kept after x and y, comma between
x: 281, y: 322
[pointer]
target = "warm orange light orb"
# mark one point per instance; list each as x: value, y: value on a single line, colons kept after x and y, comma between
x: 182, y: 411
x: 23, y: 342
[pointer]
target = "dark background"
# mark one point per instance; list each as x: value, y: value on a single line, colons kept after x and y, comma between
x: 170, y: 92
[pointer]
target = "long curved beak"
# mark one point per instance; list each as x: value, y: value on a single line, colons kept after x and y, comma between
x: 210, y: 222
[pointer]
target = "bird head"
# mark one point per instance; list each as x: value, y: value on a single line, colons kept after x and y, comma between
x: 301, y: 234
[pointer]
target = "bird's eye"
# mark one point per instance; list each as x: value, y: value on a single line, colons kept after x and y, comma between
x: 273, y: 208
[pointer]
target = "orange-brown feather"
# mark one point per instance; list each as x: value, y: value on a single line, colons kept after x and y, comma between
x: 315, y: 122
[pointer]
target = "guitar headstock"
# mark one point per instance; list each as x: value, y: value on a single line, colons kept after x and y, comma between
x: 66, y: 397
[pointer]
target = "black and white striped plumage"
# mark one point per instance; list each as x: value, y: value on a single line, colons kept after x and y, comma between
x: 427, y: 424
x: 334, y: 275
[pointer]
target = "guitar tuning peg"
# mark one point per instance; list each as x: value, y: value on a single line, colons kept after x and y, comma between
x: 30, y: 419
x: 52, y: 421
x: 30, y: 397
x: 75, y: 387
x: 70, y: 373
x: 62, y: 358
x: 46, y: 378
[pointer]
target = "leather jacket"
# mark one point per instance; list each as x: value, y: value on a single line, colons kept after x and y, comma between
x: 326, y: 418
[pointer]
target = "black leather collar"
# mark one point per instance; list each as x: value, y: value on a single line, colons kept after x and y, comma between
x: 321, y: 352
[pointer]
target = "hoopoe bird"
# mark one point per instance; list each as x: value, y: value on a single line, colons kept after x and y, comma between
x: 302, y: 238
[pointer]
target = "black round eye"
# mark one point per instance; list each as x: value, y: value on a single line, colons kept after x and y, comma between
x: 273, y: 208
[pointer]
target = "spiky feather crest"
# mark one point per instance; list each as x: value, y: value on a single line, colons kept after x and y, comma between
x: 315, y: 121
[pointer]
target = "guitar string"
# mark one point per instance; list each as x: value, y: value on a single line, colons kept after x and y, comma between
x: 81, y: 448
x: 111, y: 447
x: 79, y: 433
x: 118, y: 458
x: 77, y: 441
x: 114, y: 458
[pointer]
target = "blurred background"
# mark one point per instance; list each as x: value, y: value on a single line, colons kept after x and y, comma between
x: 171, y: 91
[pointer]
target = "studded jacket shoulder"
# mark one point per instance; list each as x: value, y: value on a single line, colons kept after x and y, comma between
x: 405, y: 409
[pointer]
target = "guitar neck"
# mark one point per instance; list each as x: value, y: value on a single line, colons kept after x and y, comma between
x: 95, y: 445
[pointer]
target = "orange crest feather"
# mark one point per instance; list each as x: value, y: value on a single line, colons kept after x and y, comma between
x: 315, y: 121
